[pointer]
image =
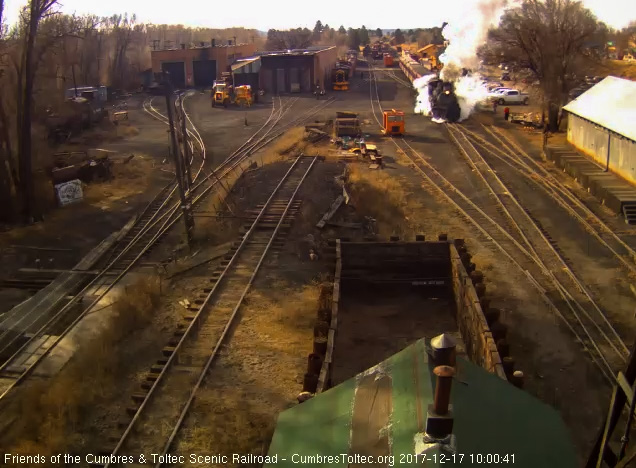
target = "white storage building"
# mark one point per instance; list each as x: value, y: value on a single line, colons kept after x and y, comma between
x: 602, y: 124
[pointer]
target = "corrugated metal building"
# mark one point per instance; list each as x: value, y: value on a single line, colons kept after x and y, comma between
x: 198, y: 66
x: 287, y: 71
x: 601, y: 124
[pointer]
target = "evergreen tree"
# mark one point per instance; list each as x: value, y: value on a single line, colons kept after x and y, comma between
x: 317, y: 30
x: 364, y: 35
x: 353, y: 39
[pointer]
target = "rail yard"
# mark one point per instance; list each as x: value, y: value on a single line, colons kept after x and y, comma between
x: 303, y: 241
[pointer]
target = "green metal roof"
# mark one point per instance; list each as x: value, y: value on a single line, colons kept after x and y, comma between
x: 381, y: 412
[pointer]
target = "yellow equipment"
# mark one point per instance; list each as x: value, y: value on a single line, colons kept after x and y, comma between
x: 340, y: 80
x: 223, y: 95
x: 220, y: 95
x: 243, y: 95
x: 367, y: 151
x: 364, y: 149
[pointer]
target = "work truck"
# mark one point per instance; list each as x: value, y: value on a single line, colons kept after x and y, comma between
x: 511, y: 96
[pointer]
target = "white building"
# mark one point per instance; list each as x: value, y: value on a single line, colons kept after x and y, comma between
x: 602, y: 124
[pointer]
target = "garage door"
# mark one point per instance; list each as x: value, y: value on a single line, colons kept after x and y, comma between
x: 204, y: 72
x: 280, y: 80
x: 294, y: 80
x: 176, y: 71
x: 268, y: 80
x: 305, y: 82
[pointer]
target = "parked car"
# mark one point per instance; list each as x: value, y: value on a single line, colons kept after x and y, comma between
x: 592, y: 80
x: 576, y: 92
x: 496, y: 91
x: 512, y: 96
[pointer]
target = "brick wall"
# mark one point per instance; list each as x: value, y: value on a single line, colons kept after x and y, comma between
x: 221, y: 54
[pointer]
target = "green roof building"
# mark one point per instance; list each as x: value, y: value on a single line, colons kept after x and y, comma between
x: 381, y: 416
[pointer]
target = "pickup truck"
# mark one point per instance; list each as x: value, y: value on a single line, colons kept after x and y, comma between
x: 511, y: 96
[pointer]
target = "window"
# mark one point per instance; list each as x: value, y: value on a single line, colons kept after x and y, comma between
x: 513, y: 93
x: 396, y: 118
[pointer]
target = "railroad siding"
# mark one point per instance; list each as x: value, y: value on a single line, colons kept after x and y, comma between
x: 593, y: 140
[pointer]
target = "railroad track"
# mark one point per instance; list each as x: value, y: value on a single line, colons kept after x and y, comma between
x: 160, y: 215
x: 167, y: 394
x: 584, y: 312
x: 526, y: 245
x: 509, y: 152
x: 399, y: 80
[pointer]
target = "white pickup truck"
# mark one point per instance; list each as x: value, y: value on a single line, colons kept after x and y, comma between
x: 511, y: 96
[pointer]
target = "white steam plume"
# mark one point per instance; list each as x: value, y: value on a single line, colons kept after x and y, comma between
x: 465, y: 34
x: 422, y: 104
x: 470, y: 91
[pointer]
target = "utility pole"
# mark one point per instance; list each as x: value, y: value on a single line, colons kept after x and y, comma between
x: 186, y: 148
x: 184, y: 194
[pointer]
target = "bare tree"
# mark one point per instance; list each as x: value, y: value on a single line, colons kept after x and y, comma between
x: 37, y: 10
x: 42, y: 29
x: 549, y: 38
x: 298, y: 38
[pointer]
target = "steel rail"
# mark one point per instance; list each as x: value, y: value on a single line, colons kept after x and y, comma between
x: 579, y: 283
x: 167, y: 225
x: 230, y: 322
x: 563, y: 266
x: 547, y: 182
x: 93, y: 283
x: 194, y: 323
x: 148, y: 225
x: 157, y: 115
x: 497, y: 243
x: 485, y: 233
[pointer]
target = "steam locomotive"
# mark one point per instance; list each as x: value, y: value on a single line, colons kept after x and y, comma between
x: 443, y: 101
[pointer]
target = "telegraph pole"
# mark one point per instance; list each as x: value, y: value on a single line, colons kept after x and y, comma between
x: 186, y: 148
x: 184, y: 194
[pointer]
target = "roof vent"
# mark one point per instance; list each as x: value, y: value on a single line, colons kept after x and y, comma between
x: 439, y: 418
x: 443, y: 350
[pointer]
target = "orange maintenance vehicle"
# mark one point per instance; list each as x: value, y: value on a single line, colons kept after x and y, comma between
x: 388, y: 60
x: 393, y: 122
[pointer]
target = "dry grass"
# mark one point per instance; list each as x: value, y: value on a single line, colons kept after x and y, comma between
x: 126, y: 131
x: 287, y: 142
x: 259, y: 374
x: 217, y: 230
x: 49, y: 414
x: 129, y: 179
x: 381, y: 196
x: 293, y: 142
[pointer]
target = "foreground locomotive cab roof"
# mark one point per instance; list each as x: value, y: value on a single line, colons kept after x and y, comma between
x: 383, y: 412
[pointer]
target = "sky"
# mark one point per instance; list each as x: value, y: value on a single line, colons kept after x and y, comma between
x: 283, y: 14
